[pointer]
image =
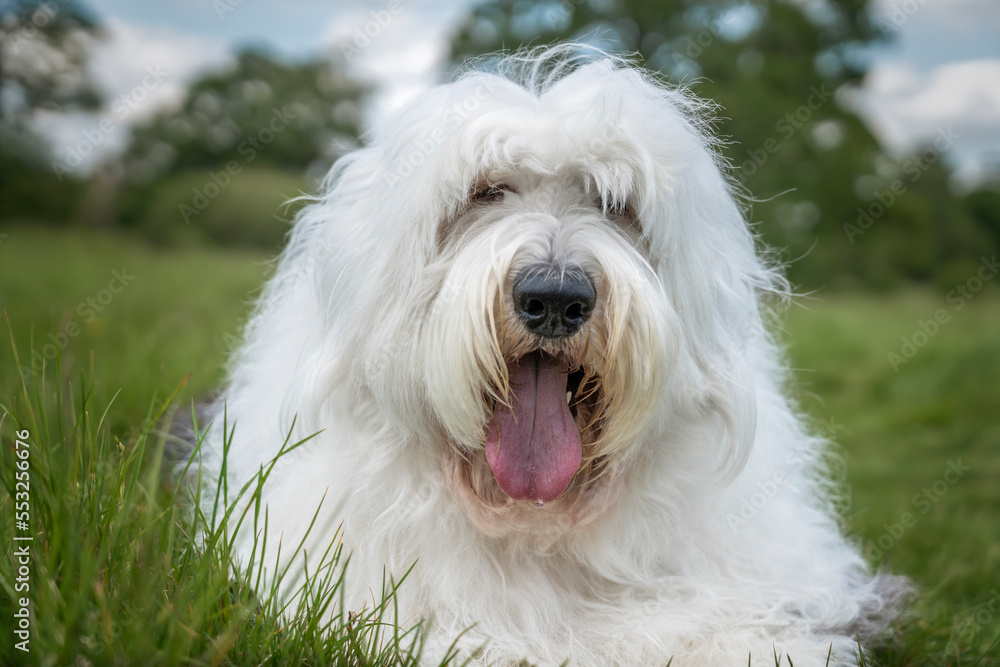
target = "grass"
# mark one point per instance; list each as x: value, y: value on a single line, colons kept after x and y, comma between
x: 179, y: 315
x: 122, y: 581
x: 904, y: 434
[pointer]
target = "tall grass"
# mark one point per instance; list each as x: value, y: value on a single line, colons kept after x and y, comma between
x: 127, y: 568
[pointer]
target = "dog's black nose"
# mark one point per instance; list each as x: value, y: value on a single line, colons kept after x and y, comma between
x: 553, y: 302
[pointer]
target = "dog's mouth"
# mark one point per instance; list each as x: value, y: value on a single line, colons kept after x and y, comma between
x: 539, y: 431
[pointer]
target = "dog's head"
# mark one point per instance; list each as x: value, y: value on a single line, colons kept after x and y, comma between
x: 539, y: 274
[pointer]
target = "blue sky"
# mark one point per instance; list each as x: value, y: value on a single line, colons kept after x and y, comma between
x: 941, y: 68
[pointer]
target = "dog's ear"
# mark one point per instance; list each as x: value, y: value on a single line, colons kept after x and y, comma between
x: 705, y: 257
x: 364, y: 251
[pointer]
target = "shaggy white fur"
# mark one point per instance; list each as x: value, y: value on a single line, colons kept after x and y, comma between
x: 665, y: 502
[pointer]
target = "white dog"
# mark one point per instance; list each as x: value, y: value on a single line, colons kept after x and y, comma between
x: 527, y: 322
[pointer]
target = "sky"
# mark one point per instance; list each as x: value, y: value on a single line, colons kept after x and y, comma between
x: 940, y: 70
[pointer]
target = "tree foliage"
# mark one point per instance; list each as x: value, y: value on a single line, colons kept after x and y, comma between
x: 44, y: 47
x: 261, y: 111
x: 220, y: 166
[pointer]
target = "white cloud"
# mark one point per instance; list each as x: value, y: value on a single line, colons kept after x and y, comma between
x: 944, y: 14
x: 140, y: 70
x: 398, y: 46
x: 905, y: 108
x: 125, y: 59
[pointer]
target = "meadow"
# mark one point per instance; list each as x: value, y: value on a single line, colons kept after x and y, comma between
x: 105, y: 331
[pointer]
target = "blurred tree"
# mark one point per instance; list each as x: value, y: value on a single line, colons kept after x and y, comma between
x: 44, y: 47
x: 259, y: 112
x: 43, y: 52
x: 785, y: 74
x: 245, y: 139
x: 984, y: 205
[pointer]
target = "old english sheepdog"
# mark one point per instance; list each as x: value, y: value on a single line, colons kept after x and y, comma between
x: 526, y: 325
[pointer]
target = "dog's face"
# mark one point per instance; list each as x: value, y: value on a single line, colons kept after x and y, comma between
x: 573, y: 339
x: 566, y: 278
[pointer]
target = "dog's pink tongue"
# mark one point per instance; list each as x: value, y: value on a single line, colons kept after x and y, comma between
x: 534, y: 447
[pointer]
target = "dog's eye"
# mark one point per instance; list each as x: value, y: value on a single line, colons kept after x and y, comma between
x: 615, y: 209
x: 491, y: 193
x: 611, y: 206
x: 619, y: 209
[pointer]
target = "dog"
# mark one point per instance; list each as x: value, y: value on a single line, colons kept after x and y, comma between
x: 524, y: 335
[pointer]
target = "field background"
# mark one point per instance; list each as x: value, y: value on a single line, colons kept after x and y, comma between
x: 897, y: 432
